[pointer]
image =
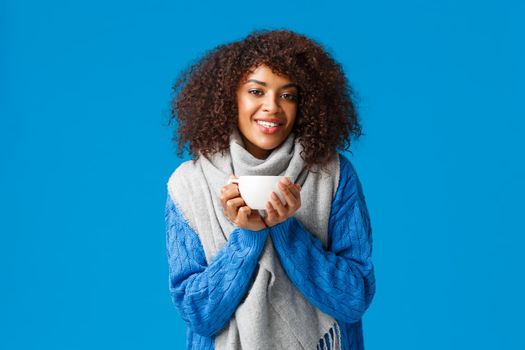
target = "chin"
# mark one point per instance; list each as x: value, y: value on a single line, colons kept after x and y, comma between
x: 271, y: 143
x: 267, y: 146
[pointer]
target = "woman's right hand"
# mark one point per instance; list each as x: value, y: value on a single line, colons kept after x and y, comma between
x: 237, y: 211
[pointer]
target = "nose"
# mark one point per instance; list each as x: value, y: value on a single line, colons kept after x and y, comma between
x: 270, y: 105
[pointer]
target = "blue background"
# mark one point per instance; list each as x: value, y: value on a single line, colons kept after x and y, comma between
x: 86, y: 154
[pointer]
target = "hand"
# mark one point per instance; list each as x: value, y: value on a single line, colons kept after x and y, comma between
x: 277, y: 212
x: 237, y: 211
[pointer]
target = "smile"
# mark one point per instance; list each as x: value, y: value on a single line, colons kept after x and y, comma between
x: 268, y: 128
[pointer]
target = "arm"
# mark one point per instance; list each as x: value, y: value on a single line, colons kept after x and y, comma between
x: 208, y: 295
x: 339, y: 281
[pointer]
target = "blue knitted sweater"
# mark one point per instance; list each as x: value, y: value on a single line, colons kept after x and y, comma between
x: 338, y: 279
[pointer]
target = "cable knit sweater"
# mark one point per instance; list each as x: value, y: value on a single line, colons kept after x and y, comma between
x: 338, y: 279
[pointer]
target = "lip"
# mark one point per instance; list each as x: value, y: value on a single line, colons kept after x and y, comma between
x: 280, y: 122
x: 268, y: 131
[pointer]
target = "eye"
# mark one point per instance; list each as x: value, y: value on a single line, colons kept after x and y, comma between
x: 255, y: 92
x: 290, y: 97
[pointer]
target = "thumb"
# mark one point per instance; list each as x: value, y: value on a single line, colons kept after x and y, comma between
x: 246, y: 212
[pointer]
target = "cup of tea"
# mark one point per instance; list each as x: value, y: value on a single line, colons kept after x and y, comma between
x: 256, y: 189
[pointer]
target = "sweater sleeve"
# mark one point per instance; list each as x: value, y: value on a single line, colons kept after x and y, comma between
x: 339, y: 281
x: 206, y: 296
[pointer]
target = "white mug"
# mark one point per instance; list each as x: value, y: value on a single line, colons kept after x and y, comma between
x: 256, y: 190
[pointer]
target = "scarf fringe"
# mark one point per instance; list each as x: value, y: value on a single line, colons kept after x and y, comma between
x: 331, y: 339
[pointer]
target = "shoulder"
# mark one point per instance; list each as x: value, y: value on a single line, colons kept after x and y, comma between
x: 349, y: 186
x: 347, y: 172
x: 180, y: 176
x: 184, y: 169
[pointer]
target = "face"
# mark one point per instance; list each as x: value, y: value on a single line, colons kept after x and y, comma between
x: 267, y: 105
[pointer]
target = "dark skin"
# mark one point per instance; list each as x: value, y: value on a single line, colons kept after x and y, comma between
x: 263, y: 94
x: 242, y: 216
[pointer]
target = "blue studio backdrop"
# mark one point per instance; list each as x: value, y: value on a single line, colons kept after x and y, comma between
x: 85, y: 91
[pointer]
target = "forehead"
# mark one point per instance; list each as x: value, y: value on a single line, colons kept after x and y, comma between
x: 264, y: 74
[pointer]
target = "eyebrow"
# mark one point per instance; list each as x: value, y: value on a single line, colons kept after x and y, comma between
x: 264, y: 84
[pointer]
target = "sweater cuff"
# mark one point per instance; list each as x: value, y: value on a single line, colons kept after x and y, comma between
x: 253, y: 239
x: 281, y: 231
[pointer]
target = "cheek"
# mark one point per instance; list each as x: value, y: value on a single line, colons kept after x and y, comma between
x: 246, y: 107
x: 291, y: 112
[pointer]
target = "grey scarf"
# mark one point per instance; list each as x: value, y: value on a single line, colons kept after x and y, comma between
x: 273, y: 314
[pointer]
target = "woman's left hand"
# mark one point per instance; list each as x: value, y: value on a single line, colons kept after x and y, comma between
x: 276, y: 211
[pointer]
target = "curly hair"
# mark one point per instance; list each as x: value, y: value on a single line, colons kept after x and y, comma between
x: 204, y: 102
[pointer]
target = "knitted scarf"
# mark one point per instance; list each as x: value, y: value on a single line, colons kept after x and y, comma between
x: 273, y: 314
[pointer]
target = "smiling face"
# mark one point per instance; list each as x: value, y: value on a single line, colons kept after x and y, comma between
x: 267, y: 106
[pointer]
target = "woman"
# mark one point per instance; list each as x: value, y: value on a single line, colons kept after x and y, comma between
x: 298, y: 275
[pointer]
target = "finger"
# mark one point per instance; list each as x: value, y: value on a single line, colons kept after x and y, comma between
x: 231, y: 177
x: 232, y: 207
x: 278, y: 205
x: 234, y: 204
x: 295, y: 189
x: 254, y: 215
x: 271, y: 212
x: 242, y: 216
x: 290, y: 196
x: 229, y: 192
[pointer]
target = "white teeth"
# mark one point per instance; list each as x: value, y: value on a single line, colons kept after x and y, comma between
x: 267, y: 124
